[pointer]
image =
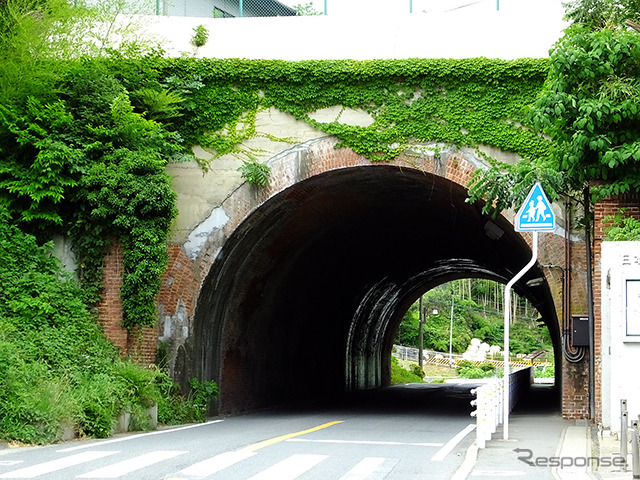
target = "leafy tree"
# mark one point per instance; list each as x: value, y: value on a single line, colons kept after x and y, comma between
x: 77, y: 158
x: 602, y: 13
x: 408, y: 332
x: 471, y: 319
x: 589, y: 108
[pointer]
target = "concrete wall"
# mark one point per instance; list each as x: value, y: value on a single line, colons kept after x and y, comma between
x: 199, y: 190
x: 620, y: 309
x: 519, y: 29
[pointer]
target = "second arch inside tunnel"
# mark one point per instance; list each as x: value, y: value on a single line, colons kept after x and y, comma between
x: 306, y: 295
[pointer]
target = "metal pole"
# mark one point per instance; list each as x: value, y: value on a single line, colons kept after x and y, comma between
x: 590, y: 308
x: 507, y: 313
x: 241, y: 8
x: 497, y: 4
x: 420, y: 334
x: 635, y: 454
x: 410, y: 6
x: 325, y: 7
x: 624, y: 427
x: 451, y: 335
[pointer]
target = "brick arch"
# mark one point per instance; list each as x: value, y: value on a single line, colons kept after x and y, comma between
x: 182, y: 286
x: 294, y: 165
x: 186, y: 272
x: 185, y: 287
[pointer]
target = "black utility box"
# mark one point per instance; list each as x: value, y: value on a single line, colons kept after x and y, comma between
x: 580, y: 330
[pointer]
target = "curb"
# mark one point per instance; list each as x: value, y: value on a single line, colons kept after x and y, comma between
x: 469, y: 462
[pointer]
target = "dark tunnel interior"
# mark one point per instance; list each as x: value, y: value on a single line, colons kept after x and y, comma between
x: 306, y: 295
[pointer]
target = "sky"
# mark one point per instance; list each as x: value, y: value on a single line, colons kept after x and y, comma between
x: 367, y: 29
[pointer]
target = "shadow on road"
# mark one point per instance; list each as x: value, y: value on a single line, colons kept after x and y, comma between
x: 450, y: 399
x: 541, y: 398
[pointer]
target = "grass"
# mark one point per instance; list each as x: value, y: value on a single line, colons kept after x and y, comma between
x: 401, y: 372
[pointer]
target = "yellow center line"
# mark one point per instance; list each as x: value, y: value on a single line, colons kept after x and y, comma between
x: 272, y: 441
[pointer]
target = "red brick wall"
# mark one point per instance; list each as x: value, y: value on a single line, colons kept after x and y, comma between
x: 110, y: 308
x: 180, y: 282
x: 603, y: 209
x: 140, y: 344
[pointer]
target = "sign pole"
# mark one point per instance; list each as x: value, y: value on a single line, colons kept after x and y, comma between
x: 535, y: 215
x: 507, y: 315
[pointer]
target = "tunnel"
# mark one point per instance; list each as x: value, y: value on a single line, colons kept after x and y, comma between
x: 305, y: 297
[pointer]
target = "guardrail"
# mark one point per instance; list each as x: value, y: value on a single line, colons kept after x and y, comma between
x: 624, y: 440
x: 489, y: 402
x: 440, y: 358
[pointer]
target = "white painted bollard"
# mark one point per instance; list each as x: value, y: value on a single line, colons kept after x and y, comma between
x: 487, y: 405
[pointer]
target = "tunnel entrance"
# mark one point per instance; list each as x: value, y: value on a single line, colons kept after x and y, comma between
x: 306, y: 295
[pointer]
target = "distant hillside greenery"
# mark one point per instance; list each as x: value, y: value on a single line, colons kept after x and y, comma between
x: 478, y: 314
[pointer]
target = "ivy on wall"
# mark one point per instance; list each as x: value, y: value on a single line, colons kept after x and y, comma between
x: 90, y: 160
x: 462, y: 102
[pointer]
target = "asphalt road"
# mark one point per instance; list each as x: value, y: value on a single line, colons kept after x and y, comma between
x: 401, y: 433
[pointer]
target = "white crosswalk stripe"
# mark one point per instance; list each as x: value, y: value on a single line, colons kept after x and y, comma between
x: 367, y: 468
x: 58, y: 464
x: 125, y: 467
x: 215, y: 464
x: 290, y: 468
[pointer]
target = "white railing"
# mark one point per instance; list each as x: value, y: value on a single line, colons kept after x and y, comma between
x: 489, y: 404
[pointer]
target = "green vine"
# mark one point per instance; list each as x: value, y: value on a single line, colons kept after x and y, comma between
x: 462, y: 102
x: 623, y: 228
x: 91, y: 162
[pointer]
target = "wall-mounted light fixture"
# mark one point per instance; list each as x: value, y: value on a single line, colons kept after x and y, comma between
x: 493, y: 231
x: 535, y: 282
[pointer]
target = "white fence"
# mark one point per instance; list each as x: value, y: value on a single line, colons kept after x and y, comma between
x: 489, y: 402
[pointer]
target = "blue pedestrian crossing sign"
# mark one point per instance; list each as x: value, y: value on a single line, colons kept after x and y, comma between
x: 536, y: 214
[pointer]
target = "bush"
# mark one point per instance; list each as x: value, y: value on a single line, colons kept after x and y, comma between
x: 487, y: 367
x: 417, y: 371
x: 468, y: 369
x: 401, y: 375
x: 56, y: 366
x: 544, y: 372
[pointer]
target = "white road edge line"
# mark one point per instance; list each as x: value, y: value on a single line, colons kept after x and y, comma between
x: 450, y: 445
x: 134, y: 436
